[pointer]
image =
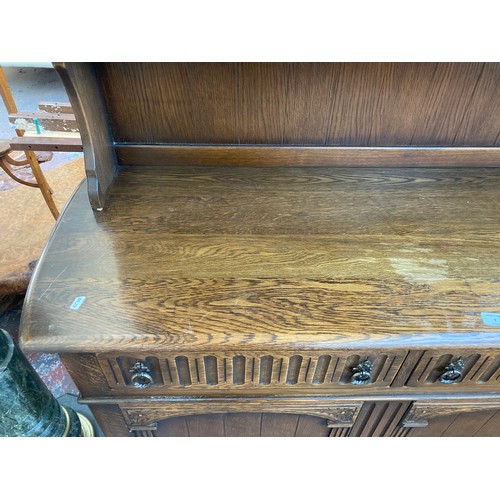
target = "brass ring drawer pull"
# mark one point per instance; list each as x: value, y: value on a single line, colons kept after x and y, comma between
x: 453, y: 373
x: 141, y: 377
x: 362, y: 373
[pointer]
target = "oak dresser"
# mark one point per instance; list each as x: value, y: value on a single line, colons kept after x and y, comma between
x: 280, y: 249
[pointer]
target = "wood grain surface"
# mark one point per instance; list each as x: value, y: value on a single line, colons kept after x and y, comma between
x: 449, y: 110
x: 244, y: 258
x: 303, y: 156
x: 348, y: 104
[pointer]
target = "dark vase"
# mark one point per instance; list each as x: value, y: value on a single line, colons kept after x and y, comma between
x: 27, y: 407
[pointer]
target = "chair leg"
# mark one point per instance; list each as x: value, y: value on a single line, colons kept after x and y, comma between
x: 7, y: 160
x: 42, y: 183
x: 27, y: 162
x: 5, y: 166
x: 20, y: 163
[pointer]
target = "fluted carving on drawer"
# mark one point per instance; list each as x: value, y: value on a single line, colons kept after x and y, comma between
x: 475, y: 368
x: 241, y: 370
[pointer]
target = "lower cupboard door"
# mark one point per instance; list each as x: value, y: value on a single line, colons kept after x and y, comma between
x: 369, y: 419
x: 244, y: 425
x: 484, y: 423
x: 373, y: 419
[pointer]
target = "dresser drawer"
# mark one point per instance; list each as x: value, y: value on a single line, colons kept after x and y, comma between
x: 460, y: 368
x: 241, y: 371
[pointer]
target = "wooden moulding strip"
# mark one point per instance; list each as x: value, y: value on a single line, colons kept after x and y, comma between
x: 46, y: 121
x: 56, y: 107
x: 485, y: 400
x: 30, y: 143
x: 304, y: 156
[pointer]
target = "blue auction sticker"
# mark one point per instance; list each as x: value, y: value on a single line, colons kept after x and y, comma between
x: 77, y: 303
x: 491, y: 319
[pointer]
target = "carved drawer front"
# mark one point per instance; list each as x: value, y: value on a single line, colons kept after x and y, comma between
x: 240, y: 371
x: 456, y: 368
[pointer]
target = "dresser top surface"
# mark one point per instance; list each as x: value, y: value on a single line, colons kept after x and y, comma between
x: 202, y: 258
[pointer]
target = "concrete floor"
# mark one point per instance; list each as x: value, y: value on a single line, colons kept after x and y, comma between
x: 29, y: 86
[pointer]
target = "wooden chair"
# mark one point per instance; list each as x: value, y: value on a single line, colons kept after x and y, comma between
x: 6, y: 162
